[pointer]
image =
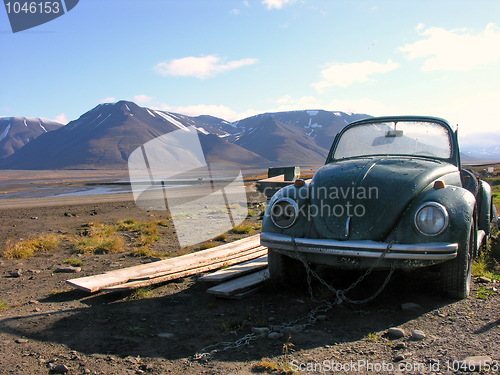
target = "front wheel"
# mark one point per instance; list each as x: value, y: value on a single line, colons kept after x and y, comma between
x: 283, y: 269
x: 456, y: 274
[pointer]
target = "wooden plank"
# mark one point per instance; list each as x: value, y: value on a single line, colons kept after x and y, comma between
x: 236, y: 271
x: 96, y: 282
x: 177, y: 275
x: 240, y: 285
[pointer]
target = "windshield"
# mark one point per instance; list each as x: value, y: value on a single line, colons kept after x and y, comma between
x: 418, y: 138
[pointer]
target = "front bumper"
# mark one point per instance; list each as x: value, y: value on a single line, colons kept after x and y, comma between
x: 434, y: 251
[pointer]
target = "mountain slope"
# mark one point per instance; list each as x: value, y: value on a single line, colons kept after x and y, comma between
x: 15, y: 132
x: 104, y: 137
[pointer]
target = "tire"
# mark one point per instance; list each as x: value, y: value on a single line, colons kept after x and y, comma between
x: 283, y: 269
x: 456, y: 274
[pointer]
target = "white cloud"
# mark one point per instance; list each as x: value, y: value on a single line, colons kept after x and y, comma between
x: 200, y: 67
x: 454, y: 50
x: 220, y: 111
x: 109, y: 99
x: 289, y: 103
x: 235, y: 11
x: 142, y: 99
x: 345, y: 74
x: 276, y: 4
x: 62, y: 118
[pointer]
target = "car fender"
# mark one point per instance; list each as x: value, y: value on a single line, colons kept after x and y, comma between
x: 460, y: 205
x: 484, y: 200
x: 302, y: 224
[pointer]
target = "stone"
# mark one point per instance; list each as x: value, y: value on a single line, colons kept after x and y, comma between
x: 396, y: 332
x: 475, y: 363
x: 321, y: 318
x: 166, y: 335
x: 21, y: 341
x: 292, y: 329
x: 483, y: 280
x: 400, y: 345
x: 260, y: 330
x: 16, y: 273
x: 275, y: 335
x: 60, y: 369
x: 399, y: 358
x: 410, y: 306
x: 68, y: 269
x: 417, y: 334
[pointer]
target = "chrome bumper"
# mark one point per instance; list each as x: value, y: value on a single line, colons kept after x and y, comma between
x: 434, y: 251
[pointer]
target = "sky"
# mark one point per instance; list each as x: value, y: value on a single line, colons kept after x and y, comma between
x: 234, y: 59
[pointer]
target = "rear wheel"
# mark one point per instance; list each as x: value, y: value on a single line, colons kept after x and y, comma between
x: 456, y: 274
x: 283, y: 269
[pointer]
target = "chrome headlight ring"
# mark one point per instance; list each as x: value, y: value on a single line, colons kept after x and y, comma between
x: 431, y: 219
x: 284, y: 212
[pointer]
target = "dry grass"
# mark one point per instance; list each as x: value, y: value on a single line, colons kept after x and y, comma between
x: 75, y: 262
x: 242, y: 229
x: 28, y: 248
x: 3, y: 306
x: 98, y: 244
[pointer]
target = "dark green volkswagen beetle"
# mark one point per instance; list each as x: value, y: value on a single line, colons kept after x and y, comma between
x: 392, y: 194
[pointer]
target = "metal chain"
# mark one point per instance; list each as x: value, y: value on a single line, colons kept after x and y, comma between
x: 207, y: 353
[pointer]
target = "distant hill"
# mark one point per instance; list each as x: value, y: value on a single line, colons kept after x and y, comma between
x: 15, y: 132
x: 104, y: 137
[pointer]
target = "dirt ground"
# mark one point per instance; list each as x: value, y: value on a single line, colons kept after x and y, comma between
x: 45, y: 323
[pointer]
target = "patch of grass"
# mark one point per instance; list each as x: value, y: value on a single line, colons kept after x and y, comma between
x: 484, y: 265
x: 268, y: 366
x: 98, y: 244
x: 373, y: 337
x: 162, y: 223
x: 3, y: 306
x: 484, y: 293
x: 98, y: 229
x: 242, y: 229
x: 208, y: 245
x: 24, y: 249
x: 221, y: 237
x: 231, y: 325
x: 142, y: 293
x: 75, y: 262
x: 136, y: 331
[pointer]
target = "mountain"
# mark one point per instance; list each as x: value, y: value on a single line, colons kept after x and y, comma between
x: 485, y: 146
x: 15, y: 132
x: 104, y: 137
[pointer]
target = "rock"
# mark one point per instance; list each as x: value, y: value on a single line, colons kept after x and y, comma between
x: 16, y: 273
x: 399, y: 358
x: 68, y: 269
x: 396, y: 332
x: 417, y: 334
x: 292, y: 329
x: 275, y: 335
x: 475, y: 363
x: 260, y: 330
x: 400, y: 345
x: 483, y: 280
x: 34, y: 217
x: 410, y: 306
x: 33, y: 302
x: 321, y: 318
x: 59, y: 369
x: 166, y: 335
x: 21, y: 341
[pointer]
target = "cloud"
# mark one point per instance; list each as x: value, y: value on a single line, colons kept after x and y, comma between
x: 109, y: 99
x: 345, y: 74
x: 142, y: 99
x: 276, y: 4
x: 199, y: 67
x: 454, y: 50
x: 220, y: 111
x: 62, y: 118
x: 289, y: 103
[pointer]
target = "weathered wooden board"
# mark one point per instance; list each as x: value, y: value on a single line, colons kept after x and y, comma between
x: 236, y: 270
x: 177, y: 275
x: 146, y: 271
x: 239, y: 285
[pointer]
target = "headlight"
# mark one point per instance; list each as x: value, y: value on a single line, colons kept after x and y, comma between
x: 284, y: 212
x: 431, y: 219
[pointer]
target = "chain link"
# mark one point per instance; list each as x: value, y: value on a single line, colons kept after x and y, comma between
x: 207, y: 353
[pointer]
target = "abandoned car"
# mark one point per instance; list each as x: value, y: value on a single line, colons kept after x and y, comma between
x: 391, y: 194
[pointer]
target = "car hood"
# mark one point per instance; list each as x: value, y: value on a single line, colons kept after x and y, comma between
x: 364, y: 198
